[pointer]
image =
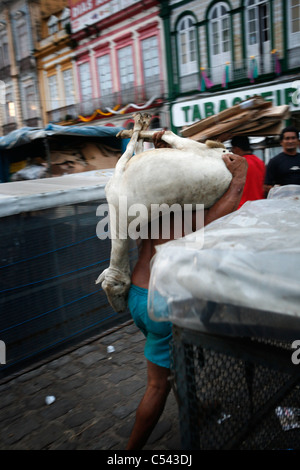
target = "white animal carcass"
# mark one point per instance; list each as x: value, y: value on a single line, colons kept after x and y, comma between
x: 187, y: 173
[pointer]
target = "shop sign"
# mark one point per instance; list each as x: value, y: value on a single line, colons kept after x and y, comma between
x: 87, y: 12
x: 188, y: 112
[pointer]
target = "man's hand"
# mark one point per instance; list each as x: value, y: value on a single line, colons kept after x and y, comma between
x: 237, y: 165
x: 229, y: 202
x: 158, y: 143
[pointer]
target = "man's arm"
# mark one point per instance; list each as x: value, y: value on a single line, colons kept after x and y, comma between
x: 158, y: 142
x: 230, y: 200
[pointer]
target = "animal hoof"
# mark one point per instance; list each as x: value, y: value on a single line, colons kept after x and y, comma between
x: 116, y: 285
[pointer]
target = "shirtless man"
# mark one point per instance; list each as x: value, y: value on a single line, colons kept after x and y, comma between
x: 158, y: 334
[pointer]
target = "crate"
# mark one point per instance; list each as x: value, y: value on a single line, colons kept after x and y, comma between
x: 235, y: 392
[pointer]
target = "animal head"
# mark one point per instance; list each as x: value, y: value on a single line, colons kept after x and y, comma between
x: 216, y: 145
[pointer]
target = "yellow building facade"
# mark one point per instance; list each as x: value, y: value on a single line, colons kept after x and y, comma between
x: 55, y: 64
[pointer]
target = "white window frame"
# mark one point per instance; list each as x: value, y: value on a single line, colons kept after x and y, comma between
x: 23, y: 39
x: 259, y: 38
x: 4, y: 60
x: 150, y: 57
x: 30, y: 101
x: 9, y: 98
x: 52, y: 25
x: 218, y: 24
x: 256, y: 34
x: 104, y: 75
x: 69, y: 90
x: 53, y: 92
x: 293, y: 36
x: 86, y: 88
x: 187, y: 46
x: 65, y: 17
x: 126, y: 67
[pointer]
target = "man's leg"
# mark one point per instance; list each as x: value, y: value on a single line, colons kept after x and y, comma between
x: 151, y: 405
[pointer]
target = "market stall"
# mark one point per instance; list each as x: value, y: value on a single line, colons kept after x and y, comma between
x: 31, y: 153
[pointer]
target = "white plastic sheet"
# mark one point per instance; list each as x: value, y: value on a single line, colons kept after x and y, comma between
x: 246, y: 276
x: 39, y: 194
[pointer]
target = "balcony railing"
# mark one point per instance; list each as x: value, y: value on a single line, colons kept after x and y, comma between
x: 62, y: 114
x: 239, y: 70
x: 136, y: 95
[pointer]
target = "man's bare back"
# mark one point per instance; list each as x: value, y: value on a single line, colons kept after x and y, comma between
x: 141, y: 274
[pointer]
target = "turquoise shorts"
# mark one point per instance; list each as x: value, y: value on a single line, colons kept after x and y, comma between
x: 158, y: 334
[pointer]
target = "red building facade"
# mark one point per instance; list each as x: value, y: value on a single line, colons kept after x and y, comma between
x: 119, y: 61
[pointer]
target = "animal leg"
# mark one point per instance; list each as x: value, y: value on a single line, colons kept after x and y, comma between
x: 146, y: 118
x: 139, y: 122
x: 182, y: 143
x: 115, y: 280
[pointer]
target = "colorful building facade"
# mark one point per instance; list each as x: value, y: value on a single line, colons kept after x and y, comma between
x: 55, y: 62
x: 119, y: 62
x: 19, y: 32
x: 222, y: 52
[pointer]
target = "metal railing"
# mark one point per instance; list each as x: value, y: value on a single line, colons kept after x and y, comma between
x: 62, y: 114
x: 250, y: 68
x: 132, y: 94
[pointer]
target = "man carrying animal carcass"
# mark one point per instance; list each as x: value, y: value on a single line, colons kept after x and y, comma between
x: 158, y: 334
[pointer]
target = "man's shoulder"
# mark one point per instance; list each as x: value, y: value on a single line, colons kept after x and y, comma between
x: 254, y: 158
x: 277, y: 157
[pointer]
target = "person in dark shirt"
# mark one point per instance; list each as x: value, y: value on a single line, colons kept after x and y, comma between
x: 284, y: 168
x: 254, y: 186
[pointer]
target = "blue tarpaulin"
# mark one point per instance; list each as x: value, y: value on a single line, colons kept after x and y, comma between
x: 29, y: 136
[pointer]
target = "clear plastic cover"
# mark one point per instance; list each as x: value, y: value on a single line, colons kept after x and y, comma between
x: 243, y: 279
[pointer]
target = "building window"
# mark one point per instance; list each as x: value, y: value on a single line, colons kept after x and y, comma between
x: 187, y: 46
x: 295, y: 16
x: 293, y: 32
x: 220, y: 45
x: 30, y: 102
x: 86, y: 88
x: 150, y: 59
x: 104, y: 74
x: 126, y: 71
x: 10, y: 110
x: 23, y: 40
x: 257, y: 21
x: 53, y: 92
x: 151, y: 67
x: 4, y: 54
x: 85, y: 81
x: 52, y: 25
x: 68, y: 87
x: 294, y: 22
x: 65, y: 18
x: 220, y: 29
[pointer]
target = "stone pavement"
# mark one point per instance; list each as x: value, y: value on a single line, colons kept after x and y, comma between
x: 96, y: 395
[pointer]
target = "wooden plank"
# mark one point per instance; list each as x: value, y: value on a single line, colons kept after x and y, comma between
x: 250, y: 104
x: 221, y: 127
